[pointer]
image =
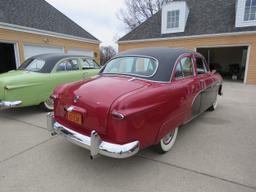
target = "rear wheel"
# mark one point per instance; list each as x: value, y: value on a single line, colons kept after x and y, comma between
x: 167, y: 142
x: 47, y: 105
x: 214, y: 105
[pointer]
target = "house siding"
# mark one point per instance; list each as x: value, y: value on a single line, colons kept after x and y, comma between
x: 28, y: 38
x: 192, y: 44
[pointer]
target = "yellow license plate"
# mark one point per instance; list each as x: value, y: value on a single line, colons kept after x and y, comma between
x: 75, y: 117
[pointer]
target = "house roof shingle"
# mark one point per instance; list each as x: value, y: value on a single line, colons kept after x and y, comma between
x: 40, y: 15
x: 206, y: 17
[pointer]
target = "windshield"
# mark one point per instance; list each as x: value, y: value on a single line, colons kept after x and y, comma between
x: 34, y: 65
x: 134, y: 66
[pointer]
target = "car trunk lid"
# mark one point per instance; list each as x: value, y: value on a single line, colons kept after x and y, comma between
x: 94, y: 99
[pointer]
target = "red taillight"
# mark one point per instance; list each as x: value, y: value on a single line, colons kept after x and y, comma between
x: 53, y: 97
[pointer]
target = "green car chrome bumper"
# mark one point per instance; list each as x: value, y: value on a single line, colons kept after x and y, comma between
x: 9, y: 104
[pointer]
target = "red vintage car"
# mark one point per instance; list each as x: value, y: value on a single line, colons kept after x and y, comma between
x: 139, y: 99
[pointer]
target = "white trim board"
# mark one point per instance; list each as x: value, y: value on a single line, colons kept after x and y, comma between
x: 45, y: 33
x: 189, y: 37
x: 247, y: 64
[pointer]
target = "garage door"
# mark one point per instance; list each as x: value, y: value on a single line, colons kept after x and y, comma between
x: 81, y: 52
x: 31, y: 50
x: 229, y: 61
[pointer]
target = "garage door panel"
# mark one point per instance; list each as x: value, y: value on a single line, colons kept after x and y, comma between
x: 32, y: 50
x: 83, y: 52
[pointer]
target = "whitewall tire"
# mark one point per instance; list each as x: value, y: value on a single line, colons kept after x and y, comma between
x: 167, y: 142
x: 48, y: 105
x: 214, y: 105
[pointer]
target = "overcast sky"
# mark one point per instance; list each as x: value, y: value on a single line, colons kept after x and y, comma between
x: 98, y: 17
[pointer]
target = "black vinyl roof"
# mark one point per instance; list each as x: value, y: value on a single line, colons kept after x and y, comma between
x: 205, y: 17
x: 50, y: 61
x: 39, y: 14
x: 166, y: 58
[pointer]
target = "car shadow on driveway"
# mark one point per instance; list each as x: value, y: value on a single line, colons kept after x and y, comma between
x: 22, y: 111
x: 30, y: 115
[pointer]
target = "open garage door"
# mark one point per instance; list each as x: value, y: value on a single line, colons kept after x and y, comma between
x: 7, y: 57
x: 230, y: 62
x: 32, y: 50
x: 82, y: 52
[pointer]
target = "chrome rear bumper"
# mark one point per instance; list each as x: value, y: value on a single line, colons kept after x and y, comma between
x: 9, y: 104
x: 94, y: 142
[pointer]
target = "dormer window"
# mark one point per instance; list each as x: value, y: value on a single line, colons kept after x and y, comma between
x: 246, y: 13
x: 174, y: 17
x: 250, y: 10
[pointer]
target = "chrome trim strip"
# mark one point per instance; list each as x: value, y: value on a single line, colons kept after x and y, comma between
x: 142, y: 79
x: 118, y: 115
x: 94, y: 143
x: 9, y: 104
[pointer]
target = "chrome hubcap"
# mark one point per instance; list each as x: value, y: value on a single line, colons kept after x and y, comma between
x: 168, y: 138
x: 49, y: 103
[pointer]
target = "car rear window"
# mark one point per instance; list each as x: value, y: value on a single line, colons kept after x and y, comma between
x: 34, y: 65
x: 134, y: 66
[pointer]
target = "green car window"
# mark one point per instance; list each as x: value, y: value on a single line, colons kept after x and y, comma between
x: 35, y: 65
x: 68, y: 65
x: 89, y: 64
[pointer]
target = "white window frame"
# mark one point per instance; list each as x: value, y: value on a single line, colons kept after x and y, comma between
x: 250, y: 11
x: 173, y: 19
x: 240, y: 15
x: 180, y: 6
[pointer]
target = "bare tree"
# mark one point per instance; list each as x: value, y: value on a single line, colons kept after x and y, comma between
x: 137, y: 11
x: 106, y: 53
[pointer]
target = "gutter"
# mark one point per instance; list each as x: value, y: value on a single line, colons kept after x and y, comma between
x: 45, y: 33
x: 188, y: 37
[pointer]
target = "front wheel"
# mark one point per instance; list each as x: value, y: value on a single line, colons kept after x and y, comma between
x: 47, y: 105
x: 167, y: 142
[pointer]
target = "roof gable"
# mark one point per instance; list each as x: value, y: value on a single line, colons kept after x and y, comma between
x: 39, y: 14
x: 206, y: 17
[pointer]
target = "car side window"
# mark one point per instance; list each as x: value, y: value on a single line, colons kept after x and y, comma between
x: 187, y: 67
x: 184, y: 68
x: 201, y: 68
x: 68, y: 65
x: 178, y: 72
x: 89, y: 64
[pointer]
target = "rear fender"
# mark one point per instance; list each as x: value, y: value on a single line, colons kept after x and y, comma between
x: 168, y: 126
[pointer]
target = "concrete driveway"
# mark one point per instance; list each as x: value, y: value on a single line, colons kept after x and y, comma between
x: 215, y: 152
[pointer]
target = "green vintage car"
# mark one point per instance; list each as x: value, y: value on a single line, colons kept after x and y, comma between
x: 34, y: 81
